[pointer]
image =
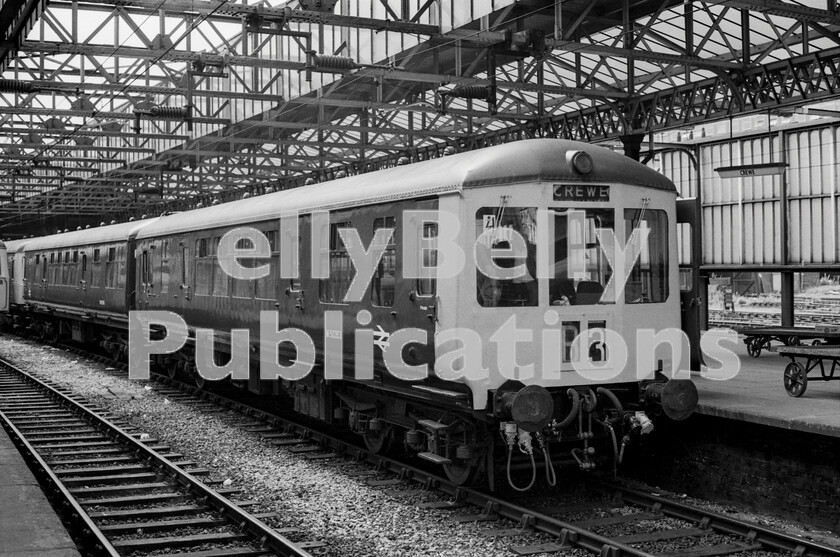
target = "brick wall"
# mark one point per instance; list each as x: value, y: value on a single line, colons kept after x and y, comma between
x: 788, y: 474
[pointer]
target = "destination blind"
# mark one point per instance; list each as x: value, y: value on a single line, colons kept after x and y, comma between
x: 581, y: 192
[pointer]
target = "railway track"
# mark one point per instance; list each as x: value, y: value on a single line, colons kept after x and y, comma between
x: 121, y: 492
x: 602, y: 525
x: 725, y: 535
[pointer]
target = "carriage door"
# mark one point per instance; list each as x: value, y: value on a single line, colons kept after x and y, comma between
x: 83, y: 280
x: 692, y: 291
x: 145, y: 279
x: 5, y: 279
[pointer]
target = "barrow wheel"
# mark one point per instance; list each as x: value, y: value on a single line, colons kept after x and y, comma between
x: 754, y: 348
x: 796, y: 380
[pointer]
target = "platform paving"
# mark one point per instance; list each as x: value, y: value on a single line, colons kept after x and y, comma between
x: 28, y: 524
x: 757, y: 395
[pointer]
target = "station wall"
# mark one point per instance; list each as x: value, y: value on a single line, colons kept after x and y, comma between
x: 742, y: 217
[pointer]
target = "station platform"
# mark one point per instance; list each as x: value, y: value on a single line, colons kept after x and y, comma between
x: 28, y: 524
x: 757, y: 395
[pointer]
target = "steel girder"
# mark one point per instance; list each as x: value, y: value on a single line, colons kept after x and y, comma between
x: 610, y: 68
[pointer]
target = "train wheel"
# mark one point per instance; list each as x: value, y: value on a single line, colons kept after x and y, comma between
x: 172, y: 369
x: 200, y: 381
x: 796, y: 380
x: 378, y: 442
x: 461, y: 472
x: 754, y: 348
x: 816, y: 342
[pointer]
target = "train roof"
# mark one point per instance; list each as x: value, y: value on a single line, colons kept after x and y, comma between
x: 13, y: 246
x: 509, y: 163
x: 88, y: 236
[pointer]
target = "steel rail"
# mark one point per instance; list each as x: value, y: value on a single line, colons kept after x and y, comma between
x: 264, y: 534
x: 726, y: 524
x: 85, y: 529
x: 569, y: 535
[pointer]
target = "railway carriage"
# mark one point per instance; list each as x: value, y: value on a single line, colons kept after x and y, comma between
x: 5, y: 280
x: 77, y: 284
x: 540, y: 224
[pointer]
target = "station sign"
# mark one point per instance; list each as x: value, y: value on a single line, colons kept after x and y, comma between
x: 581, y: 192
x: 752, y: 170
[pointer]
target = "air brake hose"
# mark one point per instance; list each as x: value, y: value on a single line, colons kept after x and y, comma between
x: 533, y: 472
x: 567, y: 421
x: 590, y: 401
x: 611, y: 396
x: 511, y: 431
x: 616, y: 455
x: 550, y: 474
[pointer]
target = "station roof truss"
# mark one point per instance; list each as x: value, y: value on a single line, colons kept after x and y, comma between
x: 119, y: 107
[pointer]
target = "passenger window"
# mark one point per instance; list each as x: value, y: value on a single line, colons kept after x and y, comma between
x: 266, y: 287
x: 65, y: 272
x: 111, y: 268
x: 72, y: 275
x: 385, y: 276
x: 333, y: 290
x: 221, y: 280
x: 97, y: 276
x: 164, y: 273
x: 648, y: 281
x: 497, y: 228
x: 428, y: 286
x: 185, y: 266
x: 271, y: 235
x: 144, y: 269
x: 121, y: 257
x: 204, y: 269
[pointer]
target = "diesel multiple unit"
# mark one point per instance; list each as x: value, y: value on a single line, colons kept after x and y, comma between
x: 561, y: 241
